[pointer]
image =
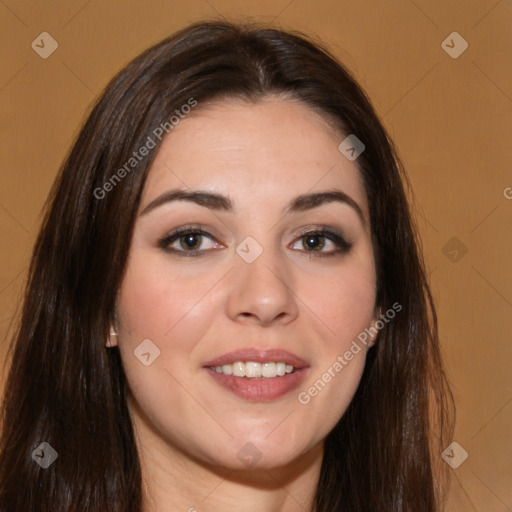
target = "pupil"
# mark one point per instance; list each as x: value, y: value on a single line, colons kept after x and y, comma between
x: 312, y: 241
x: 191, y: 240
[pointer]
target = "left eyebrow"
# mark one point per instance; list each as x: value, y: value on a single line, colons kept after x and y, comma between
x: 309, y: 201
x: 219, y: 202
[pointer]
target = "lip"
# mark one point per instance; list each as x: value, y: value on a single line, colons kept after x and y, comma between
x: 258, y: 356
x: 260, y: 389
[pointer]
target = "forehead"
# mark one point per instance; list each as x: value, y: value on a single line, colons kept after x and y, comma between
x: 267, y: 152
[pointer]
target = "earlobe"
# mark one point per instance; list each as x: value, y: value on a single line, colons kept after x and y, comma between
x: 373, y: 329
x: 112, y: 338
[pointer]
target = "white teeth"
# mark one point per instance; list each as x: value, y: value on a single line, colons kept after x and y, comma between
x: 239, y: 369
x: 268, y: 370
x: 253, y: 370
x: 227, y: 369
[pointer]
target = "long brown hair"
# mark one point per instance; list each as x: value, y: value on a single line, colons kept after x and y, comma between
x: 66, y: 389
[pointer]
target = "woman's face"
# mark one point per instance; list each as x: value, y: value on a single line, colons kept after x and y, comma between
x: 263, y: 286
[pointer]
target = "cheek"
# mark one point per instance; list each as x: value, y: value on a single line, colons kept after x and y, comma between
x: 345, y: 304
x: 166, y: 308
x: 345, y: 307
x: 155, y: 303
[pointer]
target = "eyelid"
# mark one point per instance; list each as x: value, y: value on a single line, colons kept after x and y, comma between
x: 318, y: 228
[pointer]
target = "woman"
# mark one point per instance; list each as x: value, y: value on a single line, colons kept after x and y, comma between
x: 227, y: 307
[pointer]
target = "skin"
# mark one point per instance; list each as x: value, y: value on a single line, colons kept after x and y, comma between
x: 188, y: 428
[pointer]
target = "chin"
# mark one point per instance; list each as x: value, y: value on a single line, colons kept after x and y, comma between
x: 250, y: 460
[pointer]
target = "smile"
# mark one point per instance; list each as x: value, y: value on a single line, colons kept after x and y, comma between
x: 253, y: 369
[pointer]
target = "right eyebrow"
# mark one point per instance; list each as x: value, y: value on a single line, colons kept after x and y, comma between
x: 202, y: 198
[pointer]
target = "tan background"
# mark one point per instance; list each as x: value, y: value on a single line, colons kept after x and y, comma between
x: 451, y: 119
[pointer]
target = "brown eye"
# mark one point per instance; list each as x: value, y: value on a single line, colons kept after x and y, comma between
x: 187, y: 242
x: 315, y: 241
x: 190, y: 241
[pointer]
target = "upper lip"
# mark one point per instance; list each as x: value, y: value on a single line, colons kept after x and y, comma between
x: 258, y: 356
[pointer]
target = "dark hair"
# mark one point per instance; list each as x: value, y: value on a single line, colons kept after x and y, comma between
x: 66, y: 389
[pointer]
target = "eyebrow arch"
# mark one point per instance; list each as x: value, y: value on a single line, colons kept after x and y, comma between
x: 309, y: 201
x: 220, y: 202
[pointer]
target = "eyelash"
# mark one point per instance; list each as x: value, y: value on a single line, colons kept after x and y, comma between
x: 343, y: 246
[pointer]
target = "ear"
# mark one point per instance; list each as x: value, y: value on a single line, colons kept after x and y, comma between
x: 112, y: 338
x: 373, y: 329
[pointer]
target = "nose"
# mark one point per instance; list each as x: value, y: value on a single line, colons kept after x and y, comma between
x: 262, y: 292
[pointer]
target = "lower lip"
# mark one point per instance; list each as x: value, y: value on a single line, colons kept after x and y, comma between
x: 260, y: 389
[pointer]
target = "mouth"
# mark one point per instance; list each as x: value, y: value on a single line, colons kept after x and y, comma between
x: 258, y: 375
